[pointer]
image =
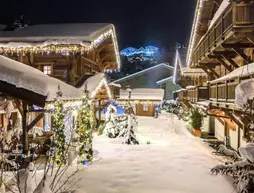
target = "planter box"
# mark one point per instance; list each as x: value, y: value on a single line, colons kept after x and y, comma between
x: 197, y: 132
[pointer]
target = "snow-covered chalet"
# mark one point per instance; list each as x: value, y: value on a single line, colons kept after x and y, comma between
x: 221, y: 45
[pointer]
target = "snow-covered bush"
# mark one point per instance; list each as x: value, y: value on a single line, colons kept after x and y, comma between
x: 170, y: 106
x: 112, y: 126
x: 183, y: 114
x: 124, y: 126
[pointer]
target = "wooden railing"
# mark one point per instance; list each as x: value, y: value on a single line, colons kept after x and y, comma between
x: 197, y: 93
x: 223, y: 92
x: 237, y: 15
x: 180, y: 94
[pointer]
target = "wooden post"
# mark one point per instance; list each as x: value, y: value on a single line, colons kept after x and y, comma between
x: 24, y: 128
x: 99, y: 111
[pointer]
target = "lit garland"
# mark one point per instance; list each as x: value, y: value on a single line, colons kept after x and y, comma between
x: 58, y: 127
x: 103, y: 82
x: 177, y: 61
x: 55, y: 48
x: 194, y: 30
x: 126, y: 102
x: 67, y: 105
x: 84, y: 130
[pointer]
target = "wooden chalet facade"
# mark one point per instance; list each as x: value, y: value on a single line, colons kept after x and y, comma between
x: 221, y: 44
x: 26, y: 94
x: 64, y: 51
x: 143, y: 100
x: 158, y: 76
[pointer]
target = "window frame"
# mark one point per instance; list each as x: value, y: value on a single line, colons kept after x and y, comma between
x: 47, y: 69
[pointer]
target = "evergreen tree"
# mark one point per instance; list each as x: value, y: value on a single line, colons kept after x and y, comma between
x: 58, y: 127
x: 130, y: 131
x: 84, y: 130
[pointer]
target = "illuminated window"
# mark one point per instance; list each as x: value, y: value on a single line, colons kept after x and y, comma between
x: 47, y: 69
x: 145, y: 107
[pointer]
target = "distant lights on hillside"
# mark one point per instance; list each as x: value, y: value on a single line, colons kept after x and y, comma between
x: 147, y: 51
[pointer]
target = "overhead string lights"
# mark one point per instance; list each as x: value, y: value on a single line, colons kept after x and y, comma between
x: 194, y: 30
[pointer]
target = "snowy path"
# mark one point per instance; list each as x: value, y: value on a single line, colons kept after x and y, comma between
x: 175, y: 162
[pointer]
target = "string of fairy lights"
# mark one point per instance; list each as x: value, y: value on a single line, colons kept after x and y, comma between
x: 76, y: 104
x: 194, y: 30
x: 60, y: 48
x: 178, y: 62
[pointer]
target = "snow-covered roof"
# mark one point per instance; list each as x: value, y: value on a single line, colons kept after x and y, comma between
x: 71, y: 33
x: 115, y: 85
x: 164, y: 80
x: 243, y: 71
x: 162, y: 65
x: 223, y: 6
x: 190, y: 87
x: 29, y: 78
x: 92, y: 82
x: 182, y: 89
x: 193, y: 70
x: 155, y: 94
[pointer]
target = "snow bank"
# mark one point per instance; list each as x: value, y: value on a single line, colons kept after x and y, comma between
x: 143, y: 94
x: 222, y: 8
x: 172, y: 163
x: 243, y: 92
x: 243, y: 71
x: 29, y: 78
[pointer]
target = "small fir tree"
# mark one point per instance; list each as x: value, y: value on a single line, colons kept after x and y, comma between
x: 84, y: 130
x: 130, y: 131
x: 58, y: 127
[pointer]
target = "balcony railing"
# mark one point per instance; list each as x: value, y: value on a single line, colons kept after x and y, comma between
x: 223, y: 92
x: 197, y: 94
x: 237, y: 15
x: 180, y: 94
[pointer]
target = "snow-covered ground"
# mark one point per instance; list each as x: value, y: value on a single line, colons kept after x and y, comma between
x: 174, y: 162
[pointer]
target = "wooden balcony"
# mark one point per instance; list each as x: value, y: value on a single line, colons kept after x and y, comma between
x: 197, y: 93
x: 236, y: 20
x: 180, y: 94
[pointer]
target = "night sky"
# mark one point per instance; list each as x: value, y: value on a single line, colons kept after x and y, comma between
x: 161, y: 23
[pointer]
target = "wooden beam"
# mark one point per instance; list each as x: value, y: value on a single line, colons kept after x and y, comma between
x: 238, y: 45
x: 224, y: 52
x: 36, y: 120
x: 230, y: 60
x: 224, y: 64
x: 243, y: 55
x: 213, y: 72
x: 213, y: 65
x: 22, y: 94
x: 99, y: 111
x: 24, y: 128
x: 208, y: 73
